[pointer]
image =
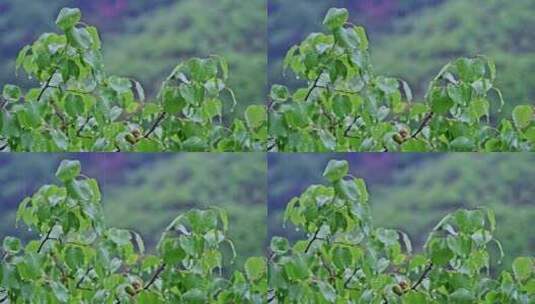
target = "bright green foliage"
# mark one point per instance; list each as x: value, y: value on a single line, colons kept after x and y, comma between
x: 347, y: 107
x: 345, y: 259
x: 80, y: 108
x: 80, y: 260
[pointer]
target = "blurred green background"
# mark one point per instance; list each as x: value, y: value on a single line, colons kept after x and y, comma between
x: 413, y: 39
x: 412, y: 192
x: 145, y: 192
x: 145, y: 39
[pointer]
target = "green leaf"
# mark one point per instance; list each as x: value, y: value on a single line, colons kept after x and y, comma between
x: 172, y: 253
x: 148, y: 145
x: 172, y: 101
x: 463, y: 144
x: 60, y: 291
x: 522, y: 116
x: 523, y: 268
x: 413, y: 297
x: 328, y: 292
x: 336, y: 170
x: 212, y: 108
x: 11, y: 245
x: 440, y: 102
x: 255, y: 116
x: 74, y: 105
x: 119, y: 236
x: 11, y: 92
x: 68, y: 18
x: 79, y: 38
x: 342, y: 257
x: 148, y: 297
x: 336, y: 18
x: 68, y: 170
x: 119, y: 84
x: 74, y: 257
x: 348, y: 189
x: 194, y: 296
x: 279, y: 245
x: 461, y: 296
x: 328, y: 140
x: 414, y: 145
x: 342, y: 106
x: 279, y: 93
x: 255, y: 268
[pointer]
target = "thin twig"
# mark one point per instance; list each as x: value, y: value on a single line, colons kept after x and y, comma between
x: 315, y: 237
x: 348, y: 280
x: 348, y: 129
x: 46, y: 86
x: 155, y: 276
x: 155, y: 125
x: 315, y: 85
x: 78, y: 133
x: 423, y: 276
x: 78, y: 285
x: 47, y: 238
x: 424, y: 123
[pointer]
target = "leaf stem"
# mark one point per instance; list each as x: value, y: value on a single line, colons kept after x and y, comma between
x: 46, y: 239
x: 155, y: 125
x: 423, y: 276
x: 155, y: 276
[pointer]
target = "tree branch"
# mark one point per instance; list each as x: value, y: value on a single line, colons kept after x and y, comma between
x: 155, y: 276
x: 348, y: 129
x: 348, y: 280
x: 46, y: 86
x: 423, y: 276
x: 315, y: 237
x: 79, y: 131
x: 424, y: 123
x: 315, y: 85
x: 46, y: 239
x: 79, y: 283
x: 155, y: 125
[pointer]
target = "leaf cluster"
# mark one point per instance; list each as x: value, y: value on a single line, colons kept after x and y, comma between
x: 345, y: 259
x: 347, y: 107
x: 80, y: 260
x: 78, y: 107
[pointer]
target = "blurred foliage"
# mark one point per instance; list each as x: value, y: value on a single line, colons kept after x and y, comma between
x: 232, y: 29
x: 416, y: 190
x: 421, y: 43
x: 144, y: 192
